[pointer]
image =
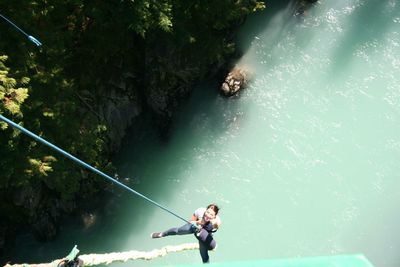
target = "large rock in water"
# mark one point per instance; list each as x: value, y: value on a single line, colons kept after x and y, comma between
x: 235, y: 81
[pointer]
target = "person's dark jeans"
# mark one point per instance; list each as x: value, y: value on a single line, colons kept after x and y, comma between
x: 206, y: 240
x: 183, y: 230
x: 206, y: 243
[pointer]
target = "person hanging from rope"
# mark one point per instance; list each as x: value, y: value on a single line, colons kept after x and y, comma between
x: 203, y: 223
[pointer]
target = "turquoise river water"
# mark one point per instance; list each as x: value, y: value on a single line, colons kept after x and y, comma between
x: 304, y: 162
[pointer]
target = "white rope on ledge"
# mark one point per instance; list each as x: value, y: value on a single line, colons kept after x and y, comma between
x: 96, y: 259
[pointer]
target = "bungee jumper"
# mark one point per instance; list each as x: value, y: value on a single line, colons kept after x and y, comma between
x: 203, y: 223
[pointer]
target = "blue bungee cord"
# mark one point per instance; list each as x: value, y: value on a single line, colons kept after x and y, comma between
x: 30, y: 37
x: 84, y: 164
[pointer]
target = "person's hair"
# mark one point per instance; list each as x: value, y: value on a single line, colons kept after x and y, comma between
x: 214, y: 207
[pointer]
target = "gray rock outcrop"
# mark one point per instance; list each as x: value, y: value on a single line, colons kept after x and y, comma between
x: 235, y: 81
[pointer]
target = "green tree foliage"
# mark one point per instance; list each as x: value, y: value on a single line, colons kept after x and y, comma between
x: 11, y: 97
x: 52, y: 110
x: 55, y: 90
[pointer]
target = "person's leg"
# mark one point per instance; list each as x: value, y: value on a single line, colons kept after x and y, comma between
x: 207, y: 239
x: 204, y: 252
x: 208, y: 227
x: 183, y: 230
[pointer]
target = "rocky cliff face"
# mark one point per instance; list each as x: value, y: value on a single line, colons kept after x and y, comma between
x: 170, y: 73
x: 169, y: 79
x: 118, y: 105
